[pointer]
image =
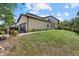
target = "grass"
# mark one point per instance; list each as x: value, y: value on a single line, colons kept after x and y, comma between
x: 55, y: 42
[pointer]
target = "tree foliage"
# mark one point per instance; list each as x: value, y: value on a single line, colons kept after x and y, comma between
x: 6, y: 13
x: 72, y: 25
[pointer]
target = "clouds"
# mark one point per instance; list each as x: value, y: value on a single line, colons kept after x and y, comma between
x: 44, y: 15
x: 43, y: 6
x: 67, y: 6
x: 62, y: 16
x: 66, y: 14
x: 36, y: 7
x: 71, y: 5
x: 74, y: 5
x: 28, y: 6
x: 58, y: 15
x: 59, y: 10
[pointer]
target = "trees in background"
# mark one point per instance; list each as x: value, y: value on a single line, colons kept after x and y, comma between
x: 72, y: 25
x: 64, y: 24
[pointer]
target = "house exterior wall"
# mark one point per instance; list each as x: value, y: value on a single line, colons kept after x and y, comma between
x: 29, y: 23
x: 38, y: 24
x: 54, y: 21
x: 22, y: 20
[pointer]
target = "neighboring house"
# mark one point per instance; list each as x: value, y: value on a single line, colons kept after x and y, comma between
x: 28, y: 22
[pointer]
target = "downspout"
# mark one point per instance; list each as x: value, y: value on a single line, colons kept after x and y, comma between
x: 27, y: 24
x: 8, y: 31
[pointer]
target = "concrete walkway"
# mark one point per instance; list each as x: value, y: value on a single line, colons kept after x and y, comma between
x: 4, y: 35
x: 21, y: 34
x: 25, y: 33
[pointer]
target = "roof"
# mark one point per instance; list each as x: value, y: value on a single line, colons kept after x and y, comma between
x: 35, y: 17
x: 52, y: 17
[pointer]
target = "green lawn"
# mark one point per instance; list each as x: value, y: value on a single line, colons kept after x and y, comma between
x: 55, y: 42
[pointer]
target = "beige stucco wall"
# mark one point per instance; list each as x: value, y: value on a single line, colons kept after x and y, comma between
x: 54, y: 21
x: 23, y: 19
x: 37, y: 24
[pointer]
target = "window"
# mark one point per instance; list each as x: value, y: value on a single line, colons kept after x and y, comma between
x: 49, y: 20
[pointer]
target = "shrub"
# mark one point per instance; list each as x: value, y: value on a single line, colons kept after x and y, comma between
x: 2, y: 32
x: 33, y: 30
x: 28, y: 31
x: 14, y: 32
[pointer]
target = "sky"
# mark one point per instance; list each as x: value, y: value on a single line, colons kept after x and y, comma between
x: 62, y: 11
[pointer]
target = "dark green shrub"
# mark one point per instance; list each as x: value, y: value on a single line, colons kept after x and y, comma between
x: 14, y: 33
x: 27, y: 30
x: 2, y: 32
x: 33, y: 30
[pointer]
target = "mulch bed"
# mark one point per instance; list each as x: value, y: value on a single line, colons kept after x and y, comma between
x: 6, y: 44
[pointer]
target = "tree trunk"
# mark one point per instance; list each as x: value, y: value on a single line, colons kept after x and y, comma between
x: 8, y: 31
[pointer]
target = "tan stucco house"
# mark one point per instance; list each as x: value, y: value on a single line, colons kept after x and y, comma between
x: 28, y: 22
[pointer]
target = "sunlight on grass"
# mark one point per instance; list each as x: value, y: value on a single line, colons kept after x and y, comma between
x: 55, y: 42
